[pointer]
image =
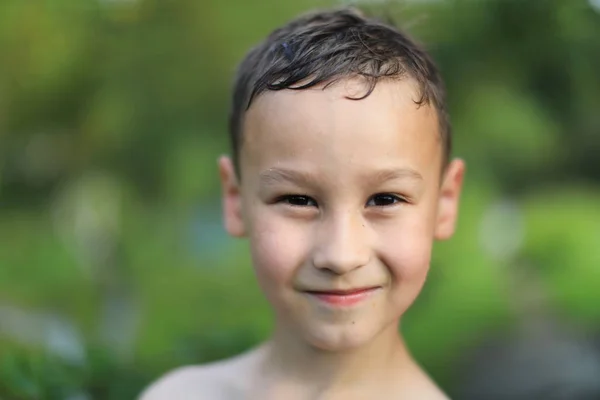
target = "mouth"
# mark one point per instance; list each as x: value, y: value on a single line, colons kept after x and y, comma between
x: 343, y: 298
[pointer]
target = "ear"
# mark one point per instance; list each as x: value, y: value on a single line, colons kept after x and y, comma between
x: 449, y: 199
x: 232, y: 200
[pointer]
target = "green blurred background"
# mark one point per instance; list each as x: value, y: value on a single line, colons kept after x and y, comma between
x: 114, y: 267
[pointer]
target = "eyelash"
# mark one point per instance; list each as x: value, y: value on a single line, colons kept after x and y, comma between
x: 288, y: 199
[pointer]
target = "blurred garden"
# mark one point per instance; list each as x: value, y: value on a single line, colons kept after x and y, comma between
x: 114, y: 266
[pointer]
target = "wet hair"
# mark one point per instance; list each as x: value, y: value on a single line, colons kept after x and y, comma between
x: 324, y: 47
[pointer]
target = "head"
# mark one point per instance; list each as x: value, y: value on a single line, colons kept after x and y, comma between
x: 340, y: 174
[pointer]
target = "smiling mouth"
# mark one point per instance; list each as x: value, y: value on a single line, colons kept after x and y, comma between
x: 343, y: 298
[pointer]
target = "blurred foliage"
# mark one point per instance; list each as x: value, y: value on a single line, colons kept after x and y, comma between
x: 112, y: 114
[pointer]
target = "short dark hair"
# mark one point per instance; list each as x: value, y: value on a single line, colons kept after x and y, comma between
x: 324, y: 47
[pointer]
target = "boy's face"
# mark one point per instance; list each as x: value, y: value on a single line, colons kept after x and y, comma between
x: 341, y: 200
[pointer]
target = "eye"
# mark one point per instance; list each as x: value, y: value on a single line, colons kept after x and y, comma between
x: 385, y: 199
x: 298, y: 201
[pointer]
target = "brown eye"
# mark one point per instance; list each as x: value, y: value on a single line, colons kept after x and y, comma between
x: 299, y: 201
x: 384, y: 199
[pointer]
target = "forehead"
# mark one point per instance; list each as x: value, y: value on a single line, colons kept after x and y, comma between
x: 319, y: 125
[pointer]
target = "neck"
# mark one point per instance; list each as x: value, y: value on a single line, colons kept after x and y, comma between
x: 290, y: 361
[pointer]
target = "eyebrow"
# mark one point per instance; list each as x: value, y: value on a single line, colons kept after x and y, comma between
x: 273, y: 176
x: 397, y: 173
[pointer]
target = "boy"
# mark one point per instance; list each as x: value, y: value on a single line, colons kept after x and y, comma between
x: 341, y: 179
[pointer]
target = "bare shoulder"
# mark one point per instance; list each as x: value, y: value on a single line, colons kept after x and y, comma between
x: 191, y: 382
x: 431, y: 391
x: 419, y: 385
x: 215, y: 381
x: 436, y: 394
x: 423, y: 392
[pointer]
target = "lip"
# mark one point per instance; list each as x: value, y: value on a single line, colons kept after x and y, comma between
x: 343, y: 298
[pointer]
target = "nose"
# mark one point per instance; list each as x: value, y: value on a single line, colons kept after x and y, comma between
x: 342, y: 244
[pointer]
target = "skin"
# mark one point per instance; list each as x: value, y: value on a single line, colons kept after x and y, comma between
x: 334, y: 194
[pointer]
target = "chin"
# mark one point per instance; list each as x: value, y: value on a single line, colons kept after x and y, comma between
x: 340, y: 339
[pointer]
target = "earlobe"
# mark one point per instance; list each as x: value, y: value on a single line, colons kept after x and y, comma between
x: 231, y: 198
x: 449, y: 199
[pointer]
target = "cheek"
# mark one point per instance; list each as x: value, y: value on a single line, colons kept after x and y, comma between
x: 407, y: 255
x: 278, y: 250
x: 408, y: 260
x: 406, y: 249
